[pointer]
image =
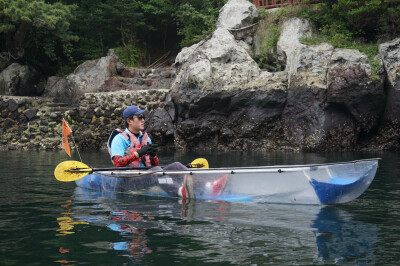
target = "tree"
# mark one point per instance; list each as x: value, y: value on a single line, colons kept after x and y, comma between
x: 17, y: 17
x: 197, y: 19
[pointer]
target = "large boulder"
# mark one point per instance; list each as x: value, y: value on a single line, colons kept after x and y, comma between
x: 390, y: 54
x: 220, y: 97
x: 239, y: 16
x: 219, y: 61
x: 19, y: 80
x: 334, y: 98
x: 325, y: 99
x: 90, y: 76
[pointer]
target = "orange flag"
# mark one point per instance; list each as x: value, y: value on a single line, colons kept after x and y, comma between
x: 66, y: 130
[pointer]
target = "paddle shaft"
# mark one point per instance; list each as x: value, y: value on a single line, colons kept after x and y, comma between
x: 73, y: 170
x: 91, y: 170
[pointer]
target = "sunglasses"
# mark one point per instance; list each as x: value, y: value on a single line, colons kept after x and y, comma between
x: 140, y: 117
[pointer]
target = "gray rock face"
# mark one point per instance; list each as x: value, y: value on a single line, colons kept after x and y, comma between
x: 239, y: 16
x: 289, y: 48
x: 220, y: 97
x: 90, y: 76
x: 333, y: 97
x: 390, y: 54
x: 220, y: 61
x: 19, y: 80
x: 326, y: 99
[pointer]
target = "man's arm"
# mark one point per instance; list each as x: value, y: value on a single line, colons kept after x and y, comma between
x: 120, y: 161
x: 118, y: 147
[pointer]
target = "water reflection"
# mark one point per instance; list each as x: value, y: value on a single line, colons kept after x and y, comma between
x: 135, y: 238
x: 324, y: 234
x: 66, y: 223
x: 341, y: 239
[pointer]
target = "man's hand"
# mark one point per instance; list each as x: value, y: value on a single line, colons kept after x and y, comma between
x: 153, y: 150
x: 144, y: 150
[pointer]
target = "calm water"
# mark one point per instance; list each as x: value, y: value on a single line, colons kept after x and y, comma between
x: 46, y: 222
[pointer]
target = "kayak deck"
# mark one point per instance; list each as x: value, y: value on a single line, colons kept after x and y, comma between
x: 306, y: 184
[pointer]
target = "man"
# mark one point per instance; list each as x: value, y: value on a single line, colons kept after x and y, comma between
x: 132, y: 146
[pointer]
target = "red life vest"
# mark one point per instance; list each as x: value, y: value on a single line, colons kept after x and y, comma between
x: 135, y: 146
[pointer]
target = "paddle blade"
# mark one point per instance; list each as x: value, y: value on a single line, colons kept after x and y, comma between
x: 199, y: 163
x: 71, y: 171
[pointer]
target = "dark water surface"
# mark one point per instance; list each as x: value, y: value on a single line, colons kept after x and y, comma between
x: 47, y: 222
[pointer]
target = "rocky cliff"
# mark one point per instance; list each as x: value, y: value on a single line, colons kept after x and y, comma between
x: 216, y: 96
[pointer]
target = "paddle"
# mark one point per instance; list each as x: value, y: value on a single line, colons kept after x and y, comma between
x: 74, y: 170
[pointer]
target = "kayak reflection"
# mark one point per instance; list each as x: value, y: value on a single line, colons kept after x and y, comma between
x: 326, y: 234
x: 341, y: 239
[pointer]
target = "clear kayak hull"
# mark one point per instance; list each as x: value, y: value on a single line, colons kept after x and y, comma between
x: 304, y: 184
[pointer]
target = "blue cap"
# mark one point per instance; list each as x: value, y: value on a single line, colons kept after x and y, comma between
x: 132, y: 110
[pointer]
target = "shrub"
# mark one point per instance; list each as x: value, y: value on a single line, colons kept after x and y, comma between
x: 130, y: 55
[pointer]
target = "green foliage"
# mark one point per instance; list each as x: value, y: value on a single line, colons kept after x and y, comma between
x: 363, y: 20
x: 130, y: 55
x: 268, y: 33
x: 60, y: 34
x: 197, y: 19
x: 267, y: 58
x: 353, y: 24
x: 36, y: 12
x: 36, y: 31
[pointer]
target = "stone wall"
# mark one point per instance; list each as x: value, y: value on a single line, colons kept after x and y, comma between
x: 29, y: 123
x: 34, y: 123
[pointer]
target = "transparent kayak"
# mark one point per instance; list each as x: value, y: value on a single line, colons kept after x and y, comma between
x: 329, y: 183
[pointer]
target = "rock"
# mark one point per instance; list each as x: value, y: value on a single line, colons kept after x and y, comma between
x: 218, y: 60
x: 3, y: 104
x: 353, y: 92
x: 53, y: 115
x: 19, y: 80
x: 30, y: 113
x: 120, y: 67
x: 238, y: 14
x: 4, y: 60
x: 118, y: 111
x: 162, y: 127
x: 108, y: 113
x: 13, y: 115
x: 138, y: 81
x: 44, y: 129
x: 148, y: 82
x: 53, y: 85
x: 289, y: 48
x: 332, y: 92
x: 12, y: 105
x: 113, y: 84
x: 89, y: 113
x: 389, y: 53
x: 90, y: 76
x: 128, y: 72
x: 98, y: 112
x: 8, y: 123
x: 22, y: 120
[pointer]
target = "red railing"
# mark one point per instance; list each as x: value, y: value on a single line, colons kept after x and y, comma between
x: 275, y: 3
x: 278, y: 3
